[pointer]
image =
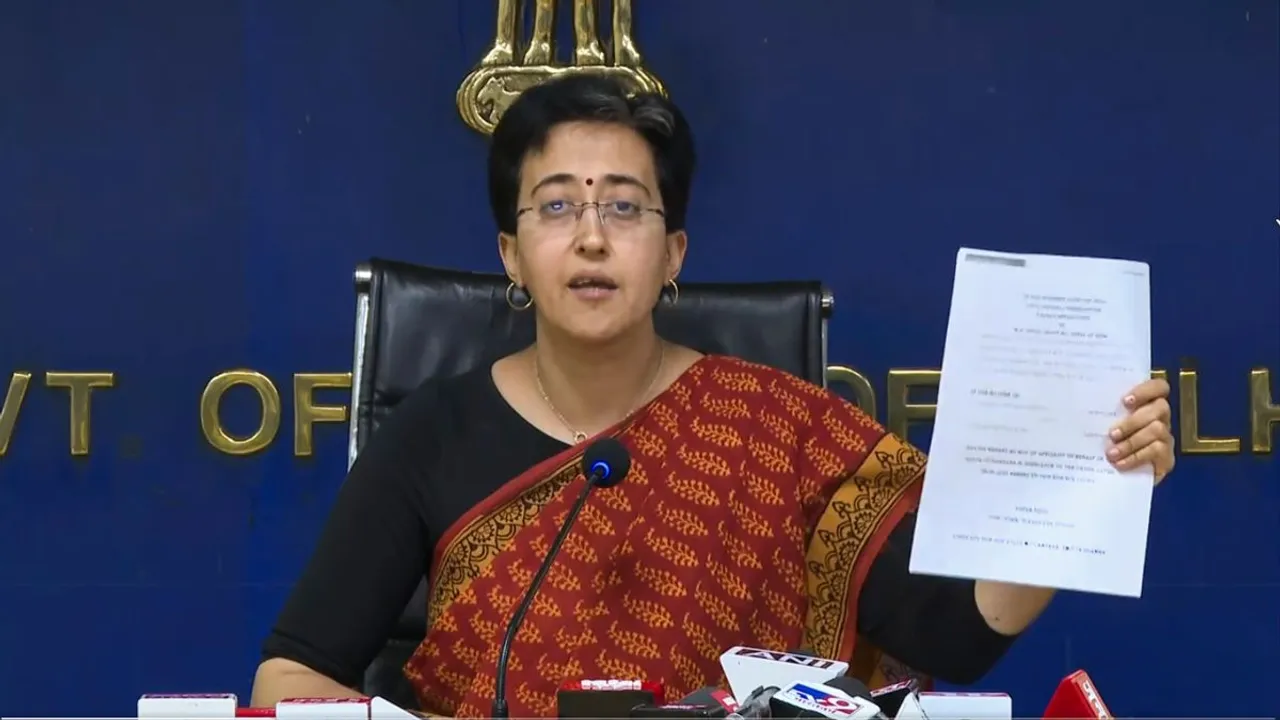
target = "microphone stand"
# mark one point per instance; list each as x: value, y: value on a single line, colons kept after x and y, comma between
x: 499, y: 710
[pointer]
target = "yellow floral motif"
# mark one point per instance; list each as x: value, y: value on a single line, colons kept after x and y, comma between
x: 737, y: 381
x: 682, y: 521
x: 648, y: 613
x: 570, y: 641
x: 584, y: 613
x: 694, y: 491
x: 456, y: 681
x: 541, y: 703
x: 766, y: 634
x: 705, y: 462
x: 794, y: 531
x: 660, y: 581
x: 528, y: 633
x: 749, y: 520
x: 637, y: 643
x: 577, y: 547
x: 732, y: 583
x: 702, y: 640
x: 805, y: 386
x: 615, y: 501
x: 717, y: 609
x: 717, y: 434
x: 686, y: 668
x: 519, y: 574
x: 648, y: 444
x: 762, y: 489
x: 605, y: 579
x: 563, y: 580
x: 826, y: 463
x: 772, y: 457
x: 847, y: 437
x: 548, y: 669
x: 794, y: 405
x: 637, y: 477
x: 595, y: 521
x: 781, y: 606
x: 683, y: 396
x: 788, y: 569
x: 544, y: 606
x: 617, y: 668
x: 739, y: 551
x: 676, y: 552
x: 730, y: 408
x: 501, y: 602
x: 779, y: 426
x: 465, y: 653
x: 666, y: 418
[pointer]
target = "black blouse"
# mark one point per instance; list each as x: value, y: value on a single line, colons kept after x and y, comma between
x: 453, y: 442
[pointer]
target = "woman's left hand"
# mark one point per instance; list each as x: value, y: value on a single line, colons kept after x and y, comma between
x: 1144, y: 436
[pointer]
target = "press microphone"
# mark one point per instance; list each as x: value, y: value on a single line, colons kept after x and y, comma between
x: 604, y: 464
x: 711, y: 695
x: 845, y: 698
x: 755, y: 706
x: 705, y: 702
x: 747, y: 668
x: 855, y: 688
x: 900, y: 701
x: 1077, y: 697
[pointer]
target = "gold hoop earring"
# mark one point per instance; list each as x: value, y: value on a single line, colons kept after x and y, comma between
x: 675, y: 291
x: 511, y: 300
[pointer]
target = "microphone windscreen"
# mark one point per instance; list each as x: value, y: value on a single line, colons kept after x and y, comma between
x: 607, y: 460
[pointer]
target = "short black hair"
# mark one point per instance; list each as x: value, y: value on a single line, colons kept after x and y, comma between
x: 524, y: 127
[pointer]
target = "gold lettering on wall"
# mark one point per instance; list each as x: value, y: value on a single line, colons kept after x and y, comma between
x: 80, y: 385
x: 211, y: 419
x: 901, y: 409
x: 1263, y: 411
x: 1189, y: 421
x: 864, y: 396
x: 306, y: 413
x: 902, y: 412
x: 18, y: 383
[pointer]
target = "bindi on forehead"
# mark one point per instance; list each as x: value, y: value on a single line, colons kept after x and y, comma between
x: 590, y: 182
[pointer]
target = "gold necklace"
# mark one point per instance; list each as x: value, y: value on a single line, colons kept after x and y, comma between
x: 578, y: 435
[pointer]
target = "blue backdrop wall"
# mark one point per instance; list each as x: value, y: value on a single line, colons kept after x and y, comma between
x: 186, y: 187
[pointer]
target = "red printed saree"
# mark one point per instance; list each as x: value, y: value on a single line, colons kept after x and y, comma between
x: 753, y: 509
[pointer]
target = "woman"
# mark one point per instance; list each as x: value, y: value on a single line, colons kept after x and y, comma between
x: 760, y: 510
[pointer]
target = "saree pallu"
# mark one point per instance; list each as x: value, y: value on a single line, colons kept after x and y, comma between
x: 753, y: 509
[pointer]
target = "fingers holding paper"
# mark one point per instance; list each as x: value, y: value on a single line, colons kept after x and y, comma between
x: 1145, y: 435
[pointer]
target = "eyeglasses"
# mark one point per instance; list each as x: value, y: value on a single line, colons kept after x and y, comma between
x: 563, y: 215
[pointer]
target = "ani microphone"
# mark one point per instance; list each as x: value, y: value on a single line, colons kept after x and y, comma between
x: 604, y: 464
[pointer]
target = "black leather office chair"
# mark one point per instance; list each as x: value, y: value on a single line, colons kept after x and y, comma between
x: 415, y: 323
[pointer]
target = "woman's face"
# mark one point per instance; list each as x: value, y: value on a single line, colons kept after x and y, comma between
x: 593, y: 274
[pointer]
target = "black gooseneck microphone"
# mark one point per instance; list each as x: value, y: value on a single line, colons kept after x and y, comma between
x: 604, y: 463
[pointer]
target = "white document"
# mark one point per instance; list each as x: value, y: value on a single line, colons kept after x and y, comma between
x: 1040, y: 351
